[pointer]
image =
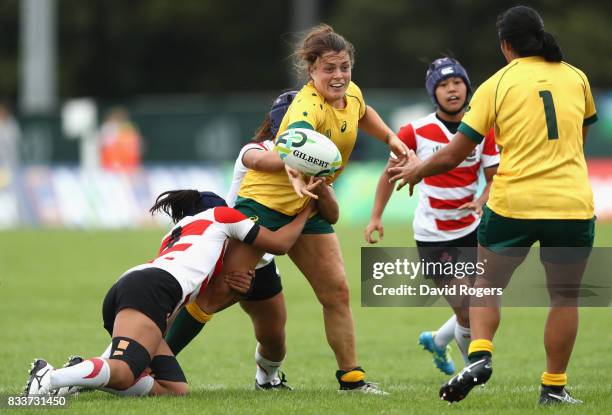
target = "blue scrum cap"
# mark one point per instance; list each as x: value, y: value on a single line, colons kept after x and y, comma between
x: 442, y: 69
x: 210, y: 200
x: 207, y: 201
x: 278, y: 110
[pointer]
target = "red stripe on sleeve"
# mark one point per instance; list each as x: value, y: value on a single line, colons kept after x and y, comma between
x: 489, y: 148
x: 457, y: 177
x: 449, y: 204
x: 432, y: 132
x: 453, y: 225
x: 228, y: 215
x: 406, y: 134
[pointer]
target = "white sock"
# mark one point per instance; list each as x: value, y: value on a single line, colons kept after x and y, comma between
x: 446, y: 333
x: 463, y: 339
x: 92, y: 373
x: 106, y: 353
x: 141, y: 387
x: 267, y: 370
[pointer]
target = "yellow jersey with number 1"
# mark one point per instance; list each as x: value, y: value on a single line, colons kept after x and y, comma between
x: 308, y: 110
x: 538, y: 109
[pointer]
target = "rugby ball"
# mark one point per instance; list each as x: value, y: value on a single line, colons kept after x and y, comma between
x: 309, y: 152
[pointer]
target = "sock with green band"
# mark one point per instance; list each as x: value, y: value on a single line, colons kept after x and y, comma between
x: 188, y: 323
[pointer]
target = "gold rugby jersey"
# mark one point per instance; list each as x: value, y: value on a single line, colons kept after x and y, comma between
x: 308, y: 110
x: 538, y: 110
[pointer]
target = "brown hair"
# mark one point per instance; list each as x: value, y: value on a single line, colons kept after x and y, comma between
x: 264, y: 131
x: 319, y: 40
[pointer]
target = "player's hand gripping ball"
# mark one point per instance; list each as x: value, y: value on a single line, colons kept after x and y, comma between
x: 309, y: 152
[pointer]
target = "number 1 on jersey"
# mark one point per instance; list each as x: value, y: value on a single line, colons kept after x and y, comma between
x: 551, y: 115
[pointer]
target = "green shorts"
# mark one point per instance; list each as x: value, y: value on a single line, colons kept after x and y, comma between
x: 513, y: 237
x: 273, y: 220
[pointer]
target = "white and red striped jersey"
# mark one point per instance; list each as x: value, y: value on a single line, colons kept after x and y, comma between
x: 436, y: 217
x: 192, y: 252
x: 240, y: 170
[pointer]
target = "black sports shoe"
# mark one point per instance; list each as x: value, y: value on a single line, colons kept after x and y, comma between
x: 39, y: 377
x: 365, y: 387
x: 72, y: 390
x: 360, y: 386
x: 280, y: 385
x: 73, y: 360
x: 457, y: 388
x: 551, y: 395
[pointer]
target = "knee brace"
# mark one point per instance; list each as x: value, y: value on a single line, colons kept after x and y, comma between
x: 132, y: 353
x: 167, y: 368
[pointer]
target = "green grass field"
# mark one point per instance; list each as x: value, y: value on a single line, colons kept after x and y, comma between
x: 53, y: 282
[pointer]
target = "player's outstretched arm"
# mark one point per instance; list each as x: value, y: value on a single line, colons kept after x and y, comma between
x: 384, y: 189
x: 327, y: 205
x: 373, y: 125
x: 279, y: 242
x: 267, y: 161
x: 449, y: 157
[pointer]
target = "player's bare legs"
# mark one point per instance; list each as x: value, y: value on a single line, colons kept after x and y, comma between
x: 485, y: 312
x: 485, y: 315
x: 562, y: 323
x: 269, y: 318
x: 319, y: 258
x: 135, y: 339
x: 167, y: 387
x: 559, y: 336
x: 135, y: 325
x: 117, y: 376
x: 561, y: 329
x: 459, y: 304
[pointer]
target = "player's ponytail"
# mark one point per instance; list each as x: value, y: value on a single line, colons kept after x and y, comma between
x: 180, y: 203
x: 523, y: 28
x: 551, y: 51
x: 177, y: 203
x: 264, y: 131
